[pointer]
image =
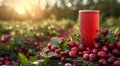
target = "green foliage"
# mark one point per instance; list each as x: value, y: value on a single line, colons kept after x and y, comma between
x: 25, y: 61
x: 54, y: 41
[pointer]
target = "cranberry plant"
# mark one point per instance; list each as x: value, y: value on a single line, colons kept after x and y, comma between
x: 71, y: 52
x: 18, y: 50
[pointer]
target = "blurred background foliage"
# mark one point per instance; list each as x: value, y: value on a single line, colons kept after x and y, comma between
x: 51, y: 17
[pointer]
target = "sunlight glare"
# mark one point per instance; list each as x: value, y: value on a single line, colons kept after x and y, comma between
x: 20, y: 10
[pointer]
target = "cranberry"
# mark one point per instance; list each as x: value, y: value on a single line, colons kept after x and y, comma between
x: 1, y: 63
x: 105, y: 48
x: 93, y: 57
x: 76, y: 44
x: 102, y: 54
x: 111, y: 46
x: 36, y: 43
x: 16, y: 49
x: 2, y: 59
x: 74, y: 49
x: 74, y: 65
x: 116, y: 52
x: 112, y: 59
x: 62, y: 53
x: 80, y: 53
x: 53, y: 48
x: 67, y: 52
x: 71, y: 44
x: 73, y: 54
x: 105, y: 31
x: 49, y: 46
x: 118, y: 45
x: 7, y: 62
x: 117, y: 63
x: 85, y: 52
x: 37, y: 48
x: 81, y: 47
x: 68, y: 64
x: 57, y: 51
x: 88, y: 49
x: 62, y: 58
x: 97, y: 45
x: 47, y: 51
x: 94, y: 51
x: 86, y: 56
x: 102, y: 62
x: 97, y: 38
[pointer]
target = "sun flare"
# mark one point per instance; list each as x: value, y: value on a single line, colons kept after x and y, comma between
x: 22, y: 6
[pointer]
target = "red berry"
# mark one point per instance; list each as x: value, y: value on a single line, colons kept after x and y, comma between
x: 36, y: 43
x: 88, y: 49
x: 76, y: 44
x: 97, y: 38
x: 111, y: 46
x: 93, y: 57
x: 73, y: 54
x: 2, y: 59
x: 71, y: 44
x: 37, y: 48
x: 53, y: 48
x: 102, y: 54
x: 118, y: 45
x: 102, y: 62
x: 68, y: 64
x: 57, y: 51
x: 74, y: 49
x: 80, y: 53
x: 1, y: 63
x: 86, y: 56
x: 16, y: 49
x: 95, y: 51
x: 112, y: 59
x: 116, y: 52
x: 74, y: 65
x: 105, y: 31
x: 62, y: 53
x: 105, y: 48
x: 67, y: 52
x: 7, y: 62
x: 84, y: 52
x: 49, y: 46
x: 98, y: 45
x: 62, y: 58
x: 117, y: 63
x: 47, y: 51
x: 81, y: 47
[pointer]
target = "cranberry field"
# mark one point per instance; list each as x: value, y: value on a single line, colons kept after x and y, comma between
x: 59, y: 32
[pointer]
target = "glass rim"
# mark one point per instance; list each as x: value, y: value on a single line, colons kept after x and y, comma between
x: 88, y: 11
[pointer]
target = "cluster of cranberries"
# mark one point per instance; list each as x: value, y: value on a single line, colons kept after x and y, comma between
x: 7, y: 54
x: 102, y: 53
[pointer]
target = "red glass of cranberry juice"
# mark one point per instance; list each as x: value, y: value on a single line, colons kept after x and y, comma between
x: 89, y: 26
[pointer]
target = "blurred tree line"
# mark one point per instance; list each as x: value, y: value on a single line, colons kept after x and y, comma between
x: 65, y: 9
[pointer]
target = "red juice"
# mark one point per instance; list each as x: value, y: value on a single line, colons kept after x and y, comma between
x: 89, y: 26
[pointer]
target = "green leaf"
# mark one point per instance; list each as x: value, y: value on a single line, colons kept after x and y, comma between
x: 74, y: 38
x: 54, y: 41
x: 51, y: 54
x: 63, y: 44
x: 23, y: 59
x: 11, y: 43
x: 33, y: 59
x: 45, y: 60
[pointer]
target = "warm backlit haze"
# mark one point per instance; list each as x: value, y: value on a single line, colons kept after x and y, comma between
x: 21, y: 6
